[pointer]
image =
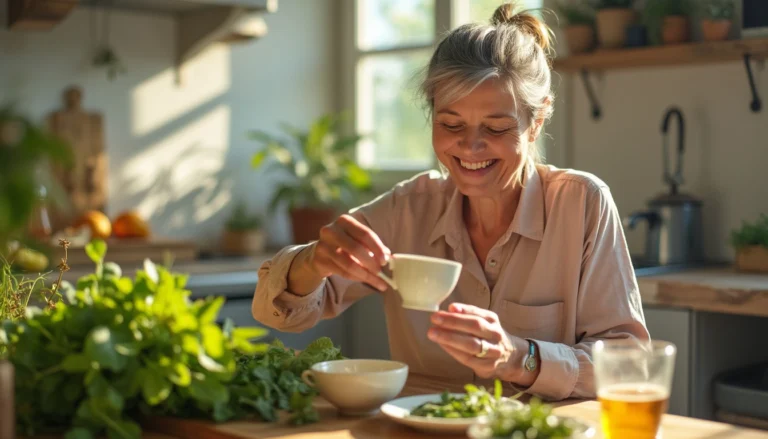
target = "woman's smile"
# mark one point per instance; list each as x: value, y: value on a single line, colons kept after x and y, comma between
x: 476, y: 168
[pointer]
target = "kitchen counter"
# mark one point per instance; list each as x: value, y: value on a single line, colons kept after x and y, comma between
x: 719, y: 290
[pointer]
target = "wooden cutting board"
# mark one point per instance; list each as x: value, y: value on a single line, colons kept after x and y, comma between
x: 85, y: 182
x: 134, y: 251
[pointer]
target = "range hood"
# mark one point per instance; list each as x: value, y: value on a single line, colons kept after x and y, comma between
x: 199, y: 22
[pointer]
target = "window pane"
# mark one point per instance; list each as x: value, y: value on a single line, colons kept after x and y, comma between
x: 388, y: 23
x: 388, y: 110
x: 481, y: 10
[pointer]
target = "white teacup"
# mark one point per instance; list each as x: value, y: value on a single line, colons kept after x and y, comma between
x: 357, y: 387
x: 422, y: 281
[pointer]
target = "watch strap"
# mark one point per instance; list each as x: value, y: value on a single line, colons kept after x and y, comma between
x: 530, y: 363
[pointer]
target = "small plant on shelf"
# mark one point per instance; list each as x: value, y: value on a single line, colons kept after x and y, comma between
x: 613, y: 18
x: 717, y: 19
x: 243, y: 234
x: 668, y: 20
x: 751, y: 244
x: 580, y: 19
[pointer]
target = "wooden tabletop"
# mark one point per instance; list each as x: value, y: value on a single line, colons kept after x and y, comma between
x: 333, y: 426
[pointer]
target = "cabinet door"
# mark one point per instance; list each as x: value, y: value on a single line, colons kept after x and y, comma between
x: 674, y: 325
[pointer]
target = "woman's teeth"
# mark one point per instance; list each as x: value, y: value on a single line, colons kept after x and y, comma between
x: 476, y: 165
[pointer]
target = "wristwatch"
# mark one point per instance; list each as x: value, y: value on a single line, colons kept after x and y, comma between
x: 531, y: 363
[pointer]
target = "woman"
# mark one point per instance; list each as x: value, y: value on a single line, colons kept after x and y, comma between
x: 546, y: 270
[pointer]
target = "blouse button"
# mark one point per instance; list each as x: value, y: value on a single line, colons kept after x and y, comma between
x: 492, y: 263
x: 276, y: 314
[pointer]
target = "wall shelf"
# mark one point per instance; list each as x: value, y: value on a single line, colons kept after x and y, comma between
x: 699, y: 53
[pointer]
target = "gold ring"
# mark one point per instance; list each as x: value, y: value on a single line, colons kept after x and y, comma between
x: 483, y: 349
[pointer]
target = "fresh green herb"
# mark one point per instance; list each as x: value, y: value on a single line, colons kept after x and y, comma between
x: 718, y: 9
x: 476, y: 402
x: 576, y: 13
x: 267, y: 382
x: 123, y: 347
x: 533, y: 421
x: 751, y: 233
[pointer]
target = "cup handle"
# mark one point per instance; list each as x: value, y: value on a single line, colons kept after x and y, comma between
x: 309, y: 378
x: 386, y: 278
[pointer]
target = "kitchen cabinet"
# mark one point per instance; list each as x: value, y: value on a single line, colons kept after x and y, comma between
x: 674, y: 325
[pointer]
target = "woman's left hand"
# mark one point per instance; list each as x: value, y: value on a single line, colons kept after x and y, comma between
x: 465, y: 331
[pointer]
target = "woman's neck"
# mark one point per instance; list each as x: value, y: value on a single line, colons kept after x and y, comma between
x: 489, y: 217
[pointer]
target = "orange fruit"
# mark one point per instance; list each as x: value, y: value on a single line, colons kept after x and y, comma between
x: 130, y: 225
x: 97, y: 222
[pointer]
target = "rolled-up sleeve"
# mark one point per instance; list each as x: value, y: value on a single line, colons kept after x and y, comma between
x: 277, y: 307
x: 608, y: 305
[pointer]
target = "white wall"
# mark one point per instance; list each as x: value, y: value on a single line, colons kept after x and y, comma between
x: 179, y: 153
x: 726, y: 144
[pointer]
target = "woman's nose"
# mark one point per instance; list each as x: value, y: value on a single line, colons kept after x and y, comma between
x: 472, y: 140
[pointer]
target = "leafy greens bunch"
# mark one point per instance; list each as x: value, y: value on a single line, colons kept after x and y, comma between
x: 121, y: 348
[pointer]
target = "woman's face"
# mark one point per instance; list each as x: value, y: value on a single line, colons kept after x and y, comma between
x: 480, y: 138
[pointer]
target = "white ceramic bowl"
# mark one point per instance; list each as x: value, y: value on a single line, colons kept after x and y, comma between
x: 357, y: 387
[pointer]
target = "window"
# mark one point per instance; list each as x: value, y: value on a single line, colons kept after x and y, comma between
x: 393, y: 42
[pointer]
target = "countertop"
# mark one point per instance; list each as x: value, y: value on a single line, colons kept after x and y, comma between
x: 722, y: 290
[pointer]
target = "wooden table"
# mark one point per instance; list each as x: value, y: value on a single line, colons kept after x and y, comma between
x: 331, y: 426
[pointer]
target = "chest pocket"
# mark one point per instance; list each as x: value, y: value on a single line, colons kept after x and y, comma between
x: 541, y: 322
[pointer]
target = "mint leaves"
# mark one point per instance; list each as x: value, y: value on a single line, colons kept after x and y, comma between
x: 122, y: 348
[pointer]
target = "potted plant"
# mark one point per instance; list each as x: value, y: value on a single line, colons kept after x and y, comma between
x: 717, y: 20
x: 669, y: 20
x: 243, y: 235
x: 751, y: 244
x: 613, y: 18
x: 323, y: 177
x: 580, y: 31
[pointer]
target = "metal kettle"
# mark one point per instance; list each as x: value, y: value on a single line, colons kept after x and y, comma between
x: 674, y: 221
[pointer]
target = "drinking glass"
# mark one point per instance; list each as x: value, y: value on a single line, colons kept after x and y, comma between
x: 633, y: 379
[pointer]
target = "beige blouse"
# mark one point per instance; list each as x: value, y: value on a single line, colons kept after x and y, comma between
x: 561, y: 276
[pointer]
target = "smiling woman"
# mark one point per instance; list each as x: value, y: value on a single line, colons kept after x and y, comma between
x: 545, y: 268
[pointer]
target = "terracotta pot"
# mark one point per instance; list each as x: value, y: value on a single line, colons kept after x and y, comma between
x: 715, y: 30
x: 243, y: 242
x: 306, y: 222
x: 581, y: 38
x: 753, y: 259
x: 674, y: 29
x: 7, y: 412
x: 612, y: 26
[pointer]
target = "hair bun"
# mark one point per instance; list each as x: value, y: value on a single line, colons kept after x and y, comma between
x: 527, y: 22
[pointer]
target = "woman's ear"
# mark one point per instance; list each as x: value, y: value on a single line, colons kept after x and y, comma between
x: 538, y: 123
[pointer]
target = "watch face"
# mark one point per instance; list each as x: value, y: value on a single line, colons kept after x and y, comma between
x: 530, y: 364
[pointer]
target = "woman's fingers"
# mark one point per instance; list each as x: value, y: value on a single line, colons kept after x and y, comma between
x: 365, y: 236
x: 332, y: 260
x: 488, y: 315
x: 364, y: 256
x: 467, y: 344
x: 467, y: 323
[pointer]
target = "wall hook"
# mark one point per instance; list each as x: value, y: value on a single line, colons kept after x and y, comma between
x: 596, y: 110
x: 756, y: 105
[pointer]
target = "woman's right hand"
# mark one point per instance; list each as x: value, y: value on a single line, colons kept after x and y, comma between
x: 349, y: 249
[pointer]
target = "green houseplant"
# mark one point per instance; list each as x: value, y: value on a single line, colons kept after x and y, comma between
x: 579, y: 30
x: 243, y: 235
x: 751, y: 244
x: 668, y: 20
x: 613, y: 18
x: 717, y: 19
x: 322, y: 175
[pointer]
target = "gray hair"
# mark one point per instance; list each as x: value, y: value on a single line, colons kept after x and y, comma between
x: 514, y: 47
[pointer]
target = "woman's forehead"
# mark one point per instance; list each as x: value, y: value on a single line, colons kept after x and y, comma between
x: 491, y: 97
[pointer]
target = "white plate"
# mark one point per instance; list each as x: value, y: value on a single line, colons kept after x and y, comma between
x: 399, y: 410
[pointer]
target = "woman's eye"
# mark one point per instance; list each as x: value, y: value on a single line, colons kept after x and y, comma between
x: 496, y: 132
x: 450, y: 127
